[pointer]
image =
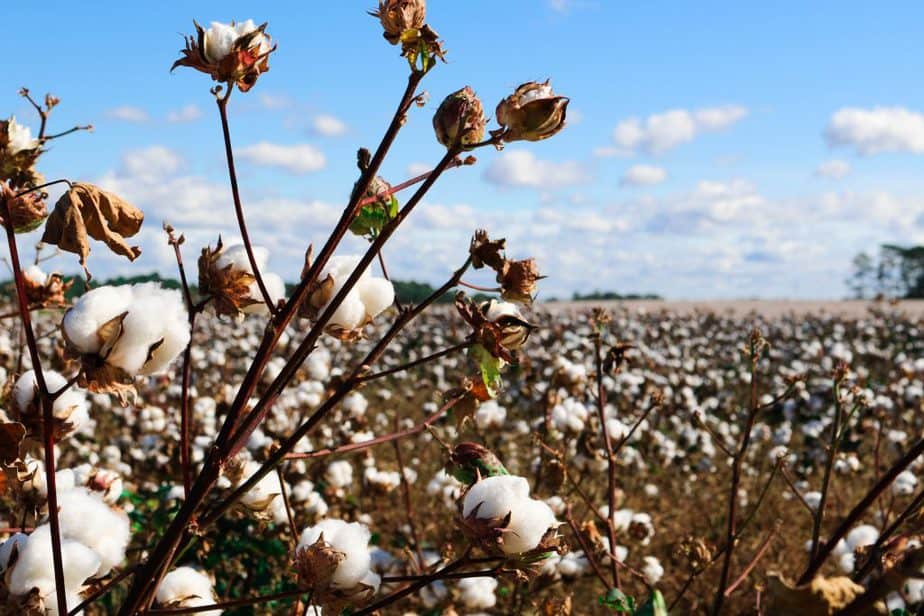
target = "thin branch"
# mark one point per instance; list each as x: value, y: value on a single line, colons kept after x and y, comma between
x: 238, y: 207
x: 423, y: 360
x: 764, y: 546
x: 610, y: 458
x: 224, y: 605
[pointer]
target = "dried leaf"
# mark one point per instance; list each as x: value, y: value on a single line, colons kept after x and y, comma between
x: 11, y: 436
x: 86, y: 210
x: 820, y: 597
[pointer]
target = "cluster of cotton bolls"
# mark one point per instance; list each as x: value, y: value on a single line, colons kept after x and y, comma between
x: 94, y: 537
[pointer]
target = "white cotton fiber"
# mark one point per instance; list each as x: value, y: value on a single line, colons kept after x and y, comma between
x: 187, y: 587
x: 71, y: 405
x: 92, y: 310
x: 154, y: 316
x: 85, y: 517
x: 351, y: 540
x: 496, y: 497
x: 35, y: 567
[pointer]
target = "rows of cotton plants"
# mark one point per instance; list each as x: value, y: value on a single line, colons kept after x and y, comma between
x: 503, y: 474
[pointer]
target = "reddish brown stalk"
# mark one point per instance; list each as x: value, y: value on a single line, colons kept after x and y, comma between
x: 162, y: 554
x: 224, y: 605
x: 285, y: 501
x: 475, y: 287
x: 764, y: 546
x: 385, y: 438
x: 423, y: 360
x: 235, y: 194
x: 101, y: 591
x: 859, y: 509
x: 610, y: 458
x: 191, y: 312
x: 819, y: 514
x: 588, y: 553
x: 731, y: 532
x: 406, y: 495
x: 399, y: 187
x: 48, y: 439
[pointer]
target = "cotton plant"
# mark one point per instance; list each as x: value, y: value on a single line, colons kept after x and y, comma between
x: 333, y: 561
x: 499, y: 514
x: 70, y: 410
x: 187, y: 587
x: 227, y: 280
x: 94, y: 537
x: 368, y: 298
x: 123, y: 332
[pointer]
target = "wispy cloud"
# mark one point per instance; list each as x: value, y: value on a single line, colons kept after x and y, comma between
x: 643, y: 175
x: 187, y: 113
x: 328, y: 125
x: 833, y: 169
x: 128, y: 113
x: 522, y: 168
x: 297, y: 158
x: 661, y: 132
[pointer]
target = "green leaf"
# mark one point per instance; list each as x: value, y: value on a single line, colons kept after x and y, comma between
x: 490, y: 367
x: 618, y: 601
x: 655, y: 606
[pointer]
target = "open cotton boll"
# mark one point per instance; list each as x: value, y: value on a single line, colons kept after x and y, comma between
x: 495, y: 496
x: 85, y: 517
x: 236, y: 257
x: 351, y: 540
x: 153, y: 316
x: 478, y: 593
x: 339, y: 473
x: 187, y: 587
x: 261, y: 496
x: 490, y: 415
x: 35, y: 566
x: 861, y: 536
x: 35, y: 274
x: 529, y: 521
x: 70, y: 405
x: 376, y: 294
x: 496, y: 309
x: 653, y: 571
x: 92, y: 310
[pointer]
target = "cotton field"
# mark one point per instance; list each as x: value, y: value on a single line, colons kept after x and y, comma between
x: 369, y: 512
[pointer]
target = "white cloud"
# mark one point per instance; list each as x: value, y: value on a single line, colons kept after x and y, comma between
x: 643, y: 175
x: 522, y: 168
x: 298, y: 158
x: 881, y: 129
x: 150, y: 164
x: 328, y: 126
x: 127, y: 113
x: 415, y: 169
x: 274, y: 102
x: 661, y: 132
x: 833, y: 169
x: 560, y: 6
x: 187, y: 113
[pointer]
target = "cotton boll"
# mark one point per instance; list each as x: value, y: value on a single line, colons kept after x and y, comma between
x: 376, y: 294
x: 186, y: 587
x: 35, y: 274
x: 652, y: 570
x: 496, y: 310
x: 35, y: 566
x: 339, y: 473
x: 478, y: 593
x: 157, y: 314
x: 85, y: 517
x: 861, y: 536
x: 495, y: 496
x: 490, y: 415
x: 70, y: 406
x: 261, y: 496
x: 93, y: 309
x: 355, y: 404
x: 529, y: 522
x: 351, y: 540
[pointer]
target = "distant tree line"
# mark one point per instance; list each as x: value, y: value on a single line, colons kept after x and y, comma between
x: 896, y: 271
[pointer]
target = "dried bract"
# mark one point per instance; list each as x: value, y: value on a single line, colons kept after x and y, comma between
x: 532, y: 113
x: 235, y: 53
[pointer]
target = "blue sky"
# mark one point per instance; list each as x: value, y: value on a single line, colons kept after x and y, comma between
x: 713, y: 150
